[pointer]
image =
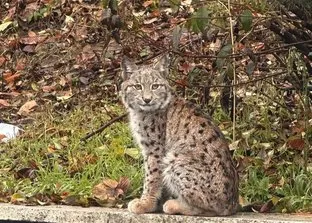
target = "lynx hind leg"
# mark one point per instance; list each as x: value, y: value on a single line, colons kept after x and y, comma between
x: 178, y: 206
x: 187, y: 182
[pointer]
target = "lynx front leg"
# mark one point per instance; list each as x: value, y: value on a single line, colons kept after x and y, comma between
x: 152, y: 187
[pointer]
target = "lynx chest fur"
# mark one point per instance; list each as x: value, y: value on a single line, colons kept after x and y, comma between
x: 188, y: 166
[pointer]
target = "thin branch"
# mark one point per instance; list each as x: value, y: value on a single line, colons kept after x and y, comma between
x: 234, y: 55
x: 232, y: 85
x: 101, y: 129
x: 234, y: 71
x: 282, y: 47
x: 277, y: 102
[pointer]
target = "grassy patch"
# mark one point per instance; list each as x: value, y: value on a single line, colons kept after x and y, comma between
x: 49, y: 160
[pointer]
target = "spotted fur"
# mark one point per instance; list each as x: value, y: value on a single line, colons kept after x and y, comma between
x: 186, y: 158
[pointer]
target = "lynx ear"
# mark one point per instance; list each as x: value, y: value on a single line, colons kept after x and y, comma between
x: 163, y: 65
x: 127, y: 67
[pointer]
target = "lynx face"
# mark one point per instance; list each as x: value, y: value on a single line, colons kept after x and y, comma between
x: 144, y: 88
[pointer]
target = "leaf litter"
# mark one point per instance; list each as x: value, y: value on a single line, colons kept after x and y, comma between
x: 70, y: 56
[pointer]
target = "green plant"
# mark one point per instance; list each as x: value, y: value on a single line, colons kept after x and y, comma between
x: 255, y: 187
x: 50, y: 161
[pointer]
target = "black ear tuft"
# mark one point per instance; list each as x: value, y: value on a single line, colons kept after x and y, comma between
x: 127, y: 67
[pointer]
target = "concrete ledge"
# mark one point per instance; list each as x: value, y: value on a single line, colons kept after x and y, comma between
x: 60, y: 214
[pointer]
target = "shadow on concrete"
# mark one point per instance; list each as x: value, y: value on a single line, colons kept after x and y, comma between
x: 10, y: 221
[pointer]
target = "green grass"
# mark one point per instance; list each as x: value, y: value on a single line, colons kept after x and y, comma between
x: 49, y: 164
x: 50, y: 160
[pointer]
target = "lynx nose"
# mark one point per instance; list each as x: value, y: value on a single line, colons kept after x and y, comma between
x: 147, y: 100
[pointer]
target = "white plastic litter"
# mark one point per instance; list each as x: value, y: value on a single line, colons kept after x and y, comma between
x: 10, y: 131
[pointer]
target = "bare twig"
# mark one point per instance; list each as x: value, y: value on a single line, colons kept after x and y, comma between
x: 234, y: 71
x: 273, y: 50
x: 99, y: 130
x: 232, y: 85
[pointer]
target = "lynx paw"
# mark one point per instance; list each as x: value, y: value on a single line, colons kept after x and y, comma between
x: 171, y: 207
x: 141, y: 206
x: 178, y: 207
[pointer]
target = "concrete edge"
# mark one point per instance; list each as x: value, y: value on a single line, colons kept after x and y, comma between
x: 71, y: 214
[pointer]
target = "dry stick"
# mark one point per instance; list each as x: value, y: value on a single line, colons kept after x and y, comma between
x: 234, y: 72
x: 273, y: 50
x: 99, y: 130
x: 277, y: 102
x: 231, y: 85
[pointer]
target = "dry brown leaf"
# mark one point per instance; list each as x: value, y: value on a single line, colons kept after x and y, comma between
x: 10, y: 94
x: 29, y: 49
x: 105, y: 190
x: 2, y: 60
x: 4, y: 103
x: 64, y: 95
x: 31, y: 40
x: 110, y: 183
x: 267, y: 207
x: 147, y: 3
x: 11, y: 13
x: 27, y: 107
x: 296, y: 143
x: 31, y: 33
x: 11, y: 78
x: 150, y: 21
x: 47, y: 88
x: 109, y: 192
x: 21, y: 64
x: 124, y: 184
x: 63, y: 81
x: 87, y: 53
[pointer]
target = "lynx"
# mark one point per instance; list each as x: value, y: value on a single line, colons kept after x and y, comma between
x: 188, y: 166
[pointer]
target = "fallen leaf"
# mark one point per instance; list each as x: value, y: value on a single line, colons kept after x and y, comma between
x: 147, y: 3
x: 2, y: 60
x: 109, y: 192
x: 87, y: 53
x: 155, y: 13
x: 123, y: 184
x: 11, y: 13
x: 27, y: 107
x: 84, y: 80
x: 66, y: 95
x: 150, y: 21
x: 5, y: 25
x: 266, y: 207
x: 4, y: 103
x: 133, y: 153
x: 29, y: 49
x: 110, y: 183
x: 10, y: 94
x: 17, y: 198
x: 31, y: 33
x: 32, y: 40
x: 296, y: 142
x: 21, y: 64
x: 26, y: 173
x: 48, y: 88
x: 10, y: 78
x: 63, y: 81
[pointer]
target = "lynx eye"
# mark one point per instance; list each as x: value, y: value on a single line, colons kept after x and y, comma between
x: 155, y: 86
x: 138, y: 86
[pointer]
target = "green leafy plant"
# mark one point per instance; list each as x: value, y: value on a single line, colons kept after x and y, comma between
x: 256, y: 186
